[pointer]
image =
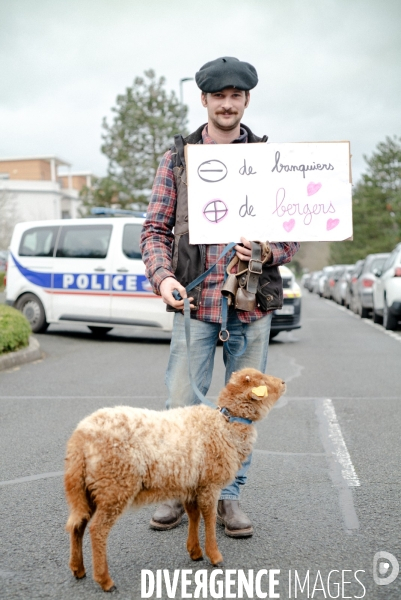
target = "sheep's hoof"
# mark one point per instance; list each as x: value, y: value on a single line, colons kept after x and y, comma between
x: 218, y: 564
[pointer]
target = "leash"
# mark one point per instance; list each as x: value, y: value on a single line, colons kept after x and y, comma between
x: 224, y: 334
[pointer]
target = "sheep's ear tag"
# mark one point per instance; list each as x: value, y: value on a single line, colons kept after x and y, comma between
x: 260, y: 392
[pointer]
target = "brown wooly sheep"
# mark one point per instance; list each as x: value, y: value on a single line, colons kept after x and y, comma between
x: 123, y: 456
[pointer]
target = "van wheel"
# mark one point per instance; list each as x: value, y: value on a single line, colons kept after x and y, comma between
x: 99, y: 331
x: 32, y: 308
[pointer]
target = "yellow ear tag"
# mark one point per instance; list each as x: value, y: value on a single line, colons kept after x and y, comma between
x: 260, y: 392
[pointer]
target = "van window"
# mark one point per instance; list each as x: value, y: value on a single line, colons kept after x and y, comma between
x: 38, y: 241
x: 84, y: 241
x: 131, y: 235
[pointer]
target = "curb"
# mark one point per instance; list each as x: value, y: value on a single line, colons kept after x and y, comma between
x: 13, y: 359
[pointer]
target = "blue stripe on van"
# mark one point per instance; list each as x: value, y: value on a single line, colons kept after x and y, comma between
x: 35, y: 277
x: 87, y: 281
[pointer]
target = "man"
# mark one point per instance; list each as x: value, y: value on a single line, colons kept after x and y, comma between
x: 172, y: 263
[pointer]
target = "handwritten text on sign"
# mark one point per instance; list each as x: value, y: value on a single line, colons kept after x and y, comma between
x: 277, y: 192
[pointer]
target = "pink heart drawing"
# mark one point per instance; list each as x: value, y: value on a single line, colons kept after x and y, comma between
x: 331, y: 223
x: 288, y: 225
x: 313, y: 188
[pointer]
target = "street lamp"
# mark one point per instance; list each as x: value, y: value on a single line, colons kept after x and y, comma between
x: 182, y: 95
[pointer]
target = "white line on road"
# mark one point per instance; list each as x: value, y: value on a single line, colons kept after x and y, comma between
x: 32, y: 478
x: 341, y: 469
x: 396, y: 335
x: 339, y: 446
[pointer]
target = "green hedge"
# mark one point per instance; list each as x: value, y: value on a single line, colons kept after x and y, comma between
x: 14, y: 329
x: 1, y: 280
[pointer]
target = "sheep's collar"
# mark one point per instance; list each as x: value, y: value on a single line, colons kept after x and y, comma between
x: 227, y: 415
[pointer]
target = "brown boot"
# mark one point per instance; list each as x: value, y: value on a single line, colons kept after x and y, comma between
x: 168, y: 515
x: 236, y: 523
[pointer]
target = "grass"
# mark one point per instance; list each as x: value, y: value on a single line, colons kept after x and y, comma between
x: 14, y: 330
x: 1, y: 281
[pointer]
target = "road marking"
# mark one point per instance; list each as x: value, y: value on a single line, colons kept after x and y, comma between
x: 338, y: 446
x: 32, y: 478
x: 341, y: 469
x: 289, y: 453
x: 396, y: 335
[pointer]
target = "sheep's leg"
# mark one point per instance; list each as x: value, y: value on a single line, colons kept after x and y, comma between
x: 207, y: 501
x: 100, y: 527
x: 193, y: 546
x: 76, y: 556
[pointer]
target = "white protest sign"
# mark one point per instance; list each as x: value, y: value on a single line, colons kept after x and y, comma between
x: 288, y: 192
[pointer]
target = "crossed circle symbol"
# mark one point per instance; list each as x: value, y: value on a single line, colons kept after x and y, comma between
x: 215, y: 211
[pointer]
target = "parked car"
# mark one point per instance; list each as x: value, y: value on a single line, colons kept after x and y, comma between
x: 325, y: 273
x: 314, y: 277
x: 305, y: 280
x: 3, y: 260
x: 86, y: 271
x: 341, y: 285
x: 288, y: 317
x: 363, y: 297
x: 351, y: 283
x: 387, y: 291
x: 330, y: 282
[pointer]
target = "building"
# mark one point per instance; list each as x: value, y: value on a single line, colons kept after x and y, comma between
x: 31, y: 189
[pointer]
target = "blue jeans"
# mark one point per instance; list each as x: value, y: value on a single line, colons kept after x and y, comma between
x: 204, y: 338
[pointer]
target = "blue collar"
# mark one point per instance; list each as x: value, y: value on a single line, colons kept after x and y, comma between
x: 226, y: 413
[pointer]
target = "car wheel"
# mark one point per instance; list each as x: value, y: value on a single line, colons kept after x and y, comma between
x: 32, y: 308
x: 377, y: 318
x: 99, y: 331
x: 273, y: 334
x: 390, y: 322
x: 364, y: 312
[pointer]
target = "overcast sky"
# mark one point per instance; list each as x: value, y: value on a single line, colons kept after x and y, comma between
x: 328, y: 69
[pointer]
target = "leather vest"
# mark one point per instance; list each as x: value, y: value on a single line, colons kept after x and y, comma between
x: 189, y: 261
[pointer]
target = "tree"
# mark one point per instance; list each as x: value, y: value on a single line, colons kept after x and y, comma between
x: 103, y: 192
x: 8, y: 218
x: 146, y: 118
x: 376, y: 206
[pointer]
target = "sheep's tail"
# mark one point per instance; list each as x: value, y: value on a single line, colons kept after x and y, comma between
x: 81, y: 507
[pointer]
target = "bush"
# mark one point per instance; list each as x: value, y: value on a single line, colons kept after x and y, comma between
x: 1, y: 280
x: 14, y: 329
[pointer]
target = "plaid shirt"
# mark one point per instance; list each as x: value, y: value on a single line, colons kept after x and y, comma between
x: 157, y: 241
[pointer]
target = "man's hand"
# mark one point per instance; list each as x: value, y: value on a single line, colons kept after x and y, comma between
x: 244, y: 252
x: 166, y: 288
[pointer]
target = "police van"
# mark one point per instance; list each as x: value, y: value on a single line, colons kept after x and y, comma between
x: 86, y: 271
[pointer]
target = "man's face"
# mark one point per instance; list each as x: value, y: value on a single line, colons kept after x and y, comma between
x: 225, y: 108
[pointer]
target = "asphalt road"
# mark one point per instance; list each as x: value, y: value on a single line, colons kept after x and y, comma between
x: 324, y: 488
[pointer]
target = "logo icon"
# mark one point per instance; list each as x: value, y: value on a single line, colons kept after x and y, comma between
x: 385, y: 568
x: 215, y: 211
x: 212, y: 171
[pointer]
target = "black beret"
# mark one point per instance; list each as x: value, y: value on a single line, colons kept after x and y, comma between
x: 226, y: 72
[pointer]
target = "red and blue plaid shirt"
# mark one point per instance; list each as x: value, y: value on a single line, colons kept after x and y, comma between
x: 157, y: 241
